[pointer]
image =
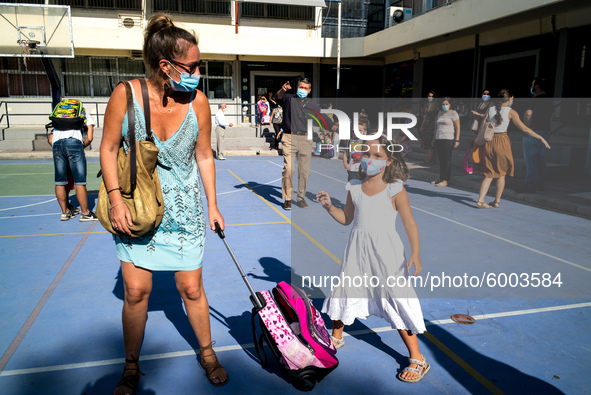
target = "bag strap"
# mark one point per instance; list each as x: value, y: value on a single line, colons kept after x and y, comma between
x: 131, y: 133
x: 146, y: 99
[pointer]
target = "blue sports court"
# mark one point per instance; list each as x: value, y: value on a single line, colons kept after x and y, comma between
x: 61, y: 293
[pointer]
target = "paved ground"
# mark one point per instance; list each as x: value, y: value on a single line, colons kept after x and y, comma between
x: 60, y: 292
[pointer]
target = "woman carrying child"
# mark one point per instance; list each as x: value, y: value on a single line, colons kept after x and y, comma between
x: 375, y: 250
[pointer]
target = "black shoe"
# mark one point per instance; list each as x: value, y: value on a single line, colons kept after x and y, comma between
x: 74, y: 210
x: 287, y: 205
x: 526, y: 189
x: 302, y: 203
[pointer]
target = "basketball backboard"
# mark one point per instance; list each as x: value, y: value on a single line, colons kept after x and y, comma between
x: 36, y: 30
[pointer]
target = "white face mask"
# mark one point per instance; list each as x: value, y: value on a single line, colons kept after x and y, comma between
x: 430, y: 99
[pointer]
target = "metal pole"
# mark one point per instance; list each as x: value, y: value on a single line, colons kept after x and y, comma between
x: 339, y: 52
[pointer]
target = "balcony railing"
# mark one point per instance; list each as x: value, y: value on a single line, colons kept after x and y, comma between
x: 102, y: 4
x: 201, y: 7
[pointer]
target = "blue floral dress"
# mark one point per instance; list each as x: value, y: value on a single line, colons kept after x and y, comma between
x: 178, y: 242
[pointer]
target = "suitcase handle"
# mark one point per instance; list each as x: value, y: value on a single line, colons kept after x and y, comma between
x: 219, y: 230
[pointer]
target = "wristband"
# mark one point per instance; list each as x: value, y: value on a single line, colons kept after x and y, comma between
x: 114, y: 189
x: 115, y: 205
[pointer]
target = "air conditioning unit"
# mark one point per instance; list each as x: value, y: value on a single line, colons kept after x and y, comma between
x: 398, y: 15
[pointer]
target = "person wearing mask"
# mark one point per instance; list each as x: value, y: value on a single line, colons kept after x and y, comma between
x: 480, y: 112
x: 181, y: 130
x: 220, y: 129
x: 497, y: 155
x: 447, y: 137
x: 538, y: 117
x: 297, y: 109
x: 428, y: 116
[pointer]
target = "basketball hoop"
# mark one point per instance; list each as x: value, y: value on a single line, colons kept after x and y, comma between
x: 28, y: 47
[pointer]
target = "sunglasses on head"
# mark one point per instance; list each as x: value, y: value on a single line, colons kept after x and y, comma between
x: 188, y: 68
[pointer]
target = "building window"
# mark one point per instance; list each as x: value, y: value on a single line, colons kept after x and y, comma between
x: 217, y: 80
x: 201, y: 7
x: 97, y: 76
x: 110, y: 4
x: 277, y: 11
x: 16, y: 80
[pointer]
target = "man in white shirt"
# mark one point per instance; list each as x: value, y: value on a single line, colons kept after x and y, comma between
x: 68, y: 151
x: 220, y: 128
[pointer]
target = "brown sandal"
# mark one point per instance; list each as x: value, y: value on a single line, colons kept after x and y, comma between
x: 495, y: 204
x: 127, y: 384
x: 213, y: 370
x: 482, y: 205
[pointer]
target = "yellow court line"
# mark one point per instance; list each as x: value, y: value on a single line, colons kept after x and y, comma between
x: 463, y: 364
x: 316, y: 243
x: 469, y: 369
x: 104, y: 231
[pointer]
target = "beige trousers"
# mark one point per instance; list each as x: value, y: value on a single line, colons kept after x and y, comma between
x: 300, y: 148
x: 219, y: 140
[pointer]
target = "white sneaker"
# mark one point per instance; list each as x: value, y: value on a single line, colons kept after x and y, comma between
x: 220, y: 157
x: 67, y: 215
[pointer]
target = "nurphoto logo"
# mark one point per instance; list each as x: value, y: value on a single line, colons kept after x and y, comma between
x: 345, y: 124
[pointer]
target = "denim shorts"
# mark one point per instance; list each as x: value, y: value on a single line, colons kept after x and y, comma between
x: 69, y: 152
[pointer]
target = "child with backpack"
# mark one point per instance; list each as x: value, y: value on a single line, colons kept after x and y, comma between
x: 374, y: 250
x: 69, y: 120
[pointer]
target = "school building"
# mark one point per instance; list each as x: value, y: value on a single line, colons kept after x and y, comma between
x: 388, y: 48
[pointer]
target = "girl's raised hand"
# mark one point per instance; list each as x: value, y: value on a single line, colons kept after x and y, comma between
x: 324, y: 199
x: 415, y: 260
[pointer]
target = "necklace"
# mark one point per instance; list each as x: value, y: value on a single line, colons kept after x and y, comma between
x: 166, y: 109
x: 163, y: 109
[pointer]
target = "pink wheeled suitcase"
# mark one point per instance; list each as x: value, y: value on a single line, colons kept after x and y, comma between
x: 292, y: 328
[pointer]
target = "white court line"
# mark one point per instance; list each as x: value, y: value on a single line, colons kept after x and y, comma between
x: 178, y: 354
x: 32, y: 215
x: 28, y: 205
x: 503, y: 239
x: 486, y: 233
x: 276, y: 164
x: 246, y: 189
x: 336, y: 179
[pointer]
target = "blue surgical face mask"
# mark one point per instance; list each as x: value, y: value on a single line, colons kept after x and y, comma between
x: 371, y: 167
x: 445, y: 107
x: 486, y: 97
x: 510, y: 104
x: 302, y: 94
x: 188, y: 82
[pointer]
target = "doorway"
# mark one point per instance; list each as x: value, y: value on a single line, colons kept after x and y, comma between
x: 262, y: 82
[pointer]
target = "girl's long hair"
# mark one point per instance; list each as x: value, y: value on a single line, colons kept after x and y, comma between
x: 397, y: 170
x: 503, y: 96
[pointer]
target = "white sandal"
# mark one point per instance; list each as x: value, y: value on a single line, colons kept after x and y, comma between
x: 422, y: 364
x: 338, y: 343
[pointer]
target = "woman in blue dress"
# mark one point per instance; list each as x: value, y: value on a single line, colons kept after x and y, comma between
x: 181, y: 129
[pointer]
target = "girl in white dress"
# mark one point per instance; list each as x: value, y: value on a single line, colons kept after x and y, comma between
x: 375, y: 274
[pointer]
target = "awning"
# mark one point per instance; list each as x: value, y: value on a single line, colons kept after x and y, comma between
x: 310, y: 3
